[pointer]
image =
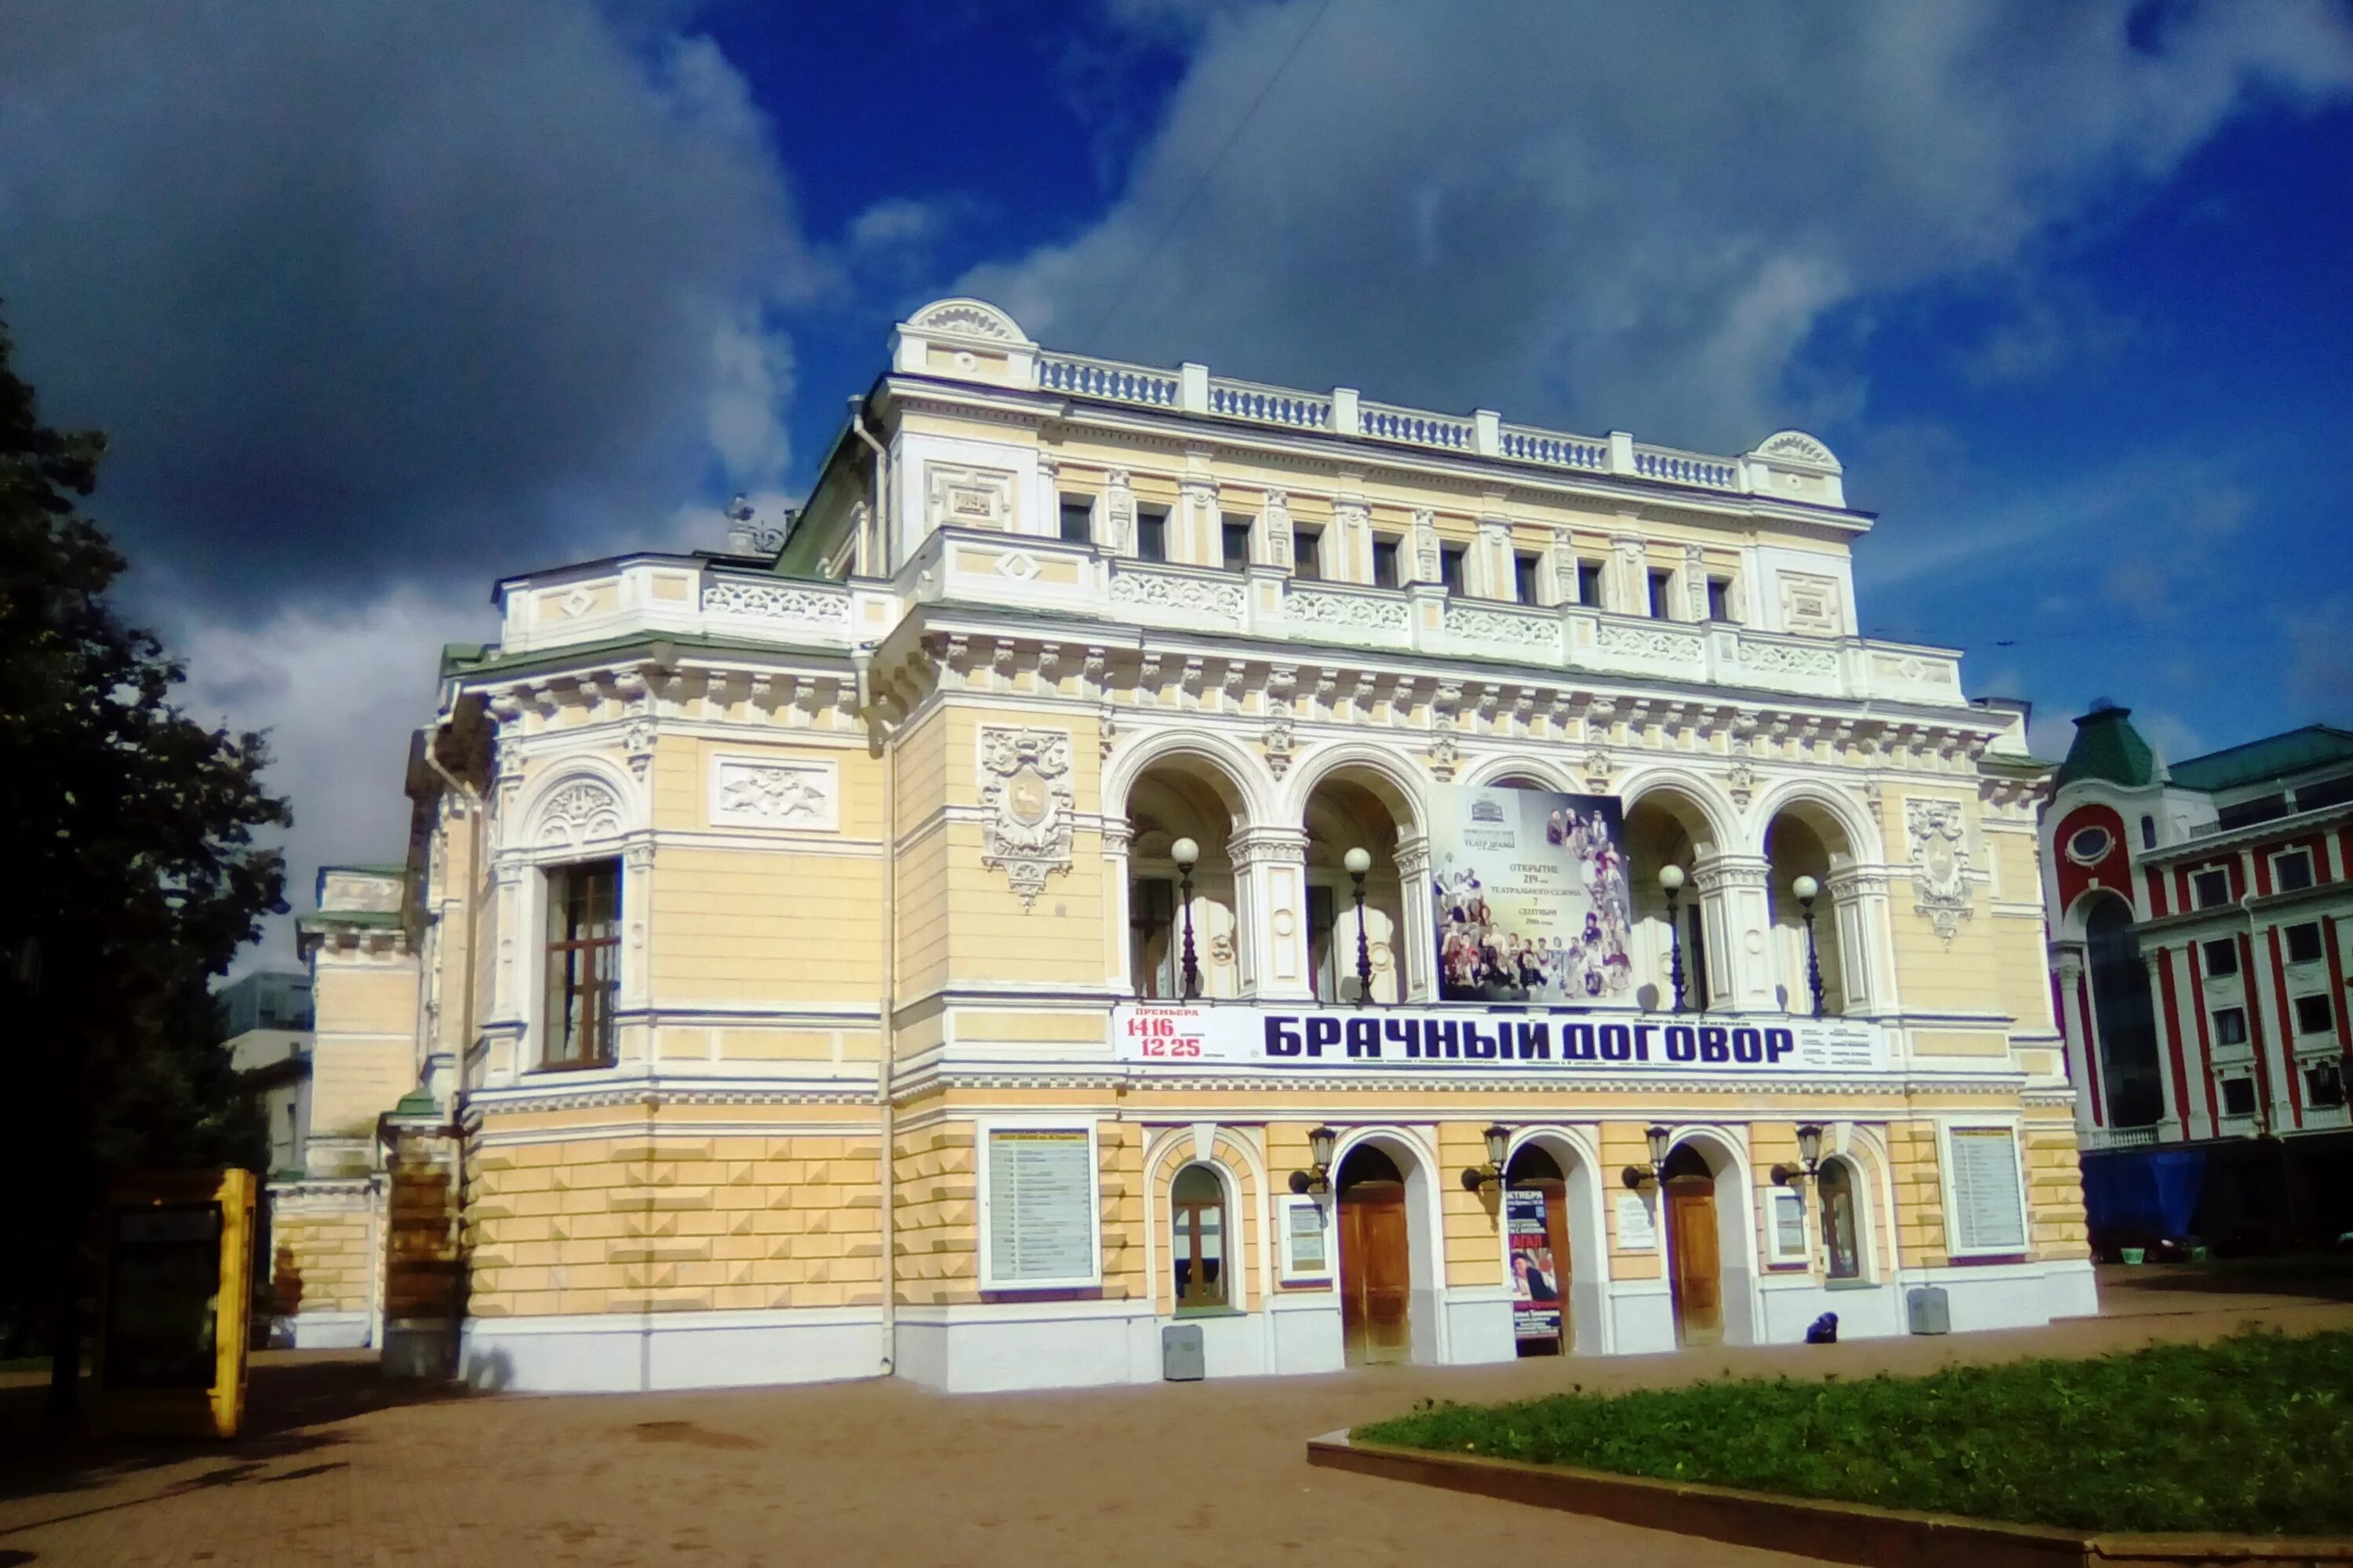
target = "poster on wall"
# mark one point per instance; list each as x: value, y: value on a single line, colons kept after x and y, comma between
x: 1530, y: 896
x: 1306, y: 1250
x: 1041, y: 1208
x: 1535, y: 1275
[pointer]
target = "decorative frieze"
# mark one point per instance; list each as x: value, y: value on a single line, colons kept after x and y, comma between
x: 759, y: 792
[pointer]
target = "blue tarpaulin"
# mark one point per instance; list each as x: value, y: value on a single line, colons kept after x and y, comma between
x: 2146, y: 1191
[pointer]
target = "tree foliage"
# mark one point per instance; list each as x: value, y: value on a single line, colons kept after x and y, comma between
x: 131, y: 863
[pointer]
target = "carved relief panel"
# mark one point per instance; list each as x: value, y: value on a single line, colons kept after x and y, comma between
x: 1940, y: 863
x: 1027, y: 796
x: 802, y: 793
x: 968, y: 497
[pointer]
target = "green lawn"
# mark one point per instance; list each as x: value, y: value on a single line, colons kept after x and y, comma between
x: 2251, y: 1435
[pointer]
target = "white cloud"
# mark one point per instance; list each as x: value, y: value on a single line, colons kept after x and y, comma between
x: 1629, y: 216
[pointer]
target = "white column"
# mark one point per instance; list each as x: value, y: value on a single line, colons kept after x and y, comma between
x: 1419, y: 961
x: 1492, y: 577
x: 2083, y: 1060
x: 2170, y: 1126
x: 1731, y: 890
x: 1270, y: 874
x: 1348, y: 548
x: 1116, y: 835
x: 1633, y: 575
x: 1115, y: 517
x: 1859, y: 900
x: 637, y: 957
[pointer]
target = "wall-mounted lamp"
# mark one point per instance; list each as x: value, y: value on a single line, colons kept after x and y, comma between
x: 1358, y: 862
x: 1318, y: 1177
x: 1810, y: 1158
x: 1185, y: 852
x: 1637, y: 1176
x: 1499, y: 1143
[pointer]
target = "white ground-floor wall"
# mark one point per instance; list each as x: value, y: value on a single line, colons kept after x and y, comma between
x: 997, y: 1346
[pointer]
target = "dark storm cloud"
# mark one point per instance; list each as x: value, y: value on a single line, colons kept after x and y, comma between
x: 360, y: 292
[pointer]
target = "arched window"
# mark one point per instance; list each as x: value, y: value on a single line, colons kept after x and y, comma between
x: 1196, y: 1205
x: 1842, y: 1237
x: 2124, y: 1015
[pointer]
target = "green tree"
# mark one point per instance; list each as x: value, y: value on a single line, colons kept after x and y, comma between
x: 132, y: 878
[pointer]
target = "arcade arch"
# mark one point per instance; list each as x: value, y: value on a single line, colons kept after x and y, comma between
x: 1554, y: 1162
x: 1178, y: 798
x: 1383, y: 1193
x: 1703, y: 1200
x: 1668, y: 826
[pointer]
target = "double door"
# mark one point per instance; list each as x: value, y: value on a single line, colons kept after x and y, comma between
x: 1376, y: 1273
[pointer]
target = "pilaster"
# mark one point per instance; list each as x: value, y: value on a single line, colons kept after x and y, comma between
x: 1270, y: 886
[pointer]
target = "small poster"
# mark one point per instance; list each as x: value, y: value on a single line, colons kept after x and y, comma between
x: 1041, y: 1209
x: 1536, y: 1274
x: 1307, y: 1245
x: 1635, y: 1231
x: 1788, y: 1237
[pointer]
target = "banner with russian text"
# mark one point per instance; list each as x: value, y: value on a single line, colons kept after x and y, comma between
x: 1531, y: 896
x: 1536, y: 1273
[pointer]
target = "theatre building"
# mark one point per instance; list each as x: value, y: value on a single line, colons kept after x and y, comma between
x: 2201, y: 919
x: 1142, y: 849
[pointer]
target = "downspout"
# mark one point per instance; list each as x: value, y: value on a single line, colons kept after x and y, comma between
x: 474, y: 806
x: 881, y: 521
x: 861, y: 660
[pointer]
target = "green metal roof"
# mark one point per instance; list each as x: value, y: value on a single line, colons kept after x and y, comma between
x: 2107, y: 746
x: 2259, y: 761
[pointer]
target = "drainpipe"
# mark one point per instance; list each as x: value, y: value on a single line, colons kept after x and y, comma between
x: 474, y: 808
x: 861, y: 660
x: 880, y: 523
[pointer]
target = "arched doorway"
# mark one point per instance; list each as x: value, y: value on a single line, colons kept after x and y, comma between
x: 1376, y: 1259
x: 1540, y: 1261
x: 1695, y: 1267
x: 2126, y: 1015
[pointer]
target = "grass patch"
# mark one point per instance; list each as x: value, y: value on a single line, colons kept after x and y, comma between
x: 2252, y: 1434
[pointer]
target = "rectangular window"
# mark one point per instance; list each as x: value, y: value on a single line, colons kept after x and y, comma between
x: 1385, y: 562
x: 1588, y: 584
x: 2304, y: 943
x: 2315, y: 1015
x: 1322, y: 964
x: 1719, y: 599
x: 2238, y: 1096
x: 1151, y: 534
x: 2292, y: 871
x: 1989, y: 1211
x: 2330, y: 792
x: 2222, y: 958
x: 1038, y: 1210
x: 1662, y: 585
x: 583, y: 952
x: 1449, y: 567
x: 1307, y: 554
x: 1078, y: 520
x: 1234, y: 537
x: 1151, y: 938
x: 2230, y: 1026
x: 1524, y: 577
x: 2211, y: 888
x: 2324, y: 1085
x: 2247, y: 813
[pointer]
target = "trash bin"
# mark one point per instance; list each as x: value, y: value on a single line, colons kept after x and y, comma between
x: 1180, y: 1353
x: 1929, y: 1314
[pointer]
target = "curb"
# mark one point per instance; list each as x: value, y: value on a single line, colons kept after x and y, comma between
x: 1809, y: 1527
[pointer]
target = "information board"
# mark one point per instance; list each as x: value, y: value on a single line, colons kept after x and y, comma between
x: 1536, y: 1273
x: 1787, y: 1240
x: 1307, y: 1245
x: 1041, y: 1208
x: 1636, y: 1231
x: 1988, y: 1213
x: 163, y: 1315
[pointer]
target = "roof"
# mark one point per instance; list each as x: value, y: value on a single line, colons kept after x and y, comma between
x: 2107, y: 748
x: 2283, y: 756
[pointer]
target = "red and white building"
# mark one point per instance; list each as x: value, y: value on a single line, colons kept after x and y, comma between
x: 2199, y: 922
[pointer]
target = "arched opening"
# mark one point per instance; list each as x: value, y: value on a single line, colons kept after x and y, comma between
x: 1344, y: 815
x: 1377, y: 1272
x: 1536, y: 1236
x: 2125, y: 1018
x: 1200, y: 1240
x: 1804, y: 843
x: 1172, y: 802
x: 1673, y: 936
x: 1704, y: 1201
x: 1843, y: 1235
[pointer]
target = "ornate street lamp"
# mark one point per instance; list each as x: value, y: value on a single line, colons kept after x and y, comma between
x: 1318, y: 1177
x: 1499, y: 1142
x: 1810, y: 1158
x: 1671, y: 882
x: 1808, y: 890
x: 1358, y: 862
x: 1657, y: 1137
x: 1185, y: 852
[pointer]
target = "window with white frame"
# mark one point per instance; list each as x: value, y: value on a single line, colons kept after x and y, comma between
x: 2304, y: 943
x: 583, y: 970
x: 2238, y: 1096
x: 1197, y: 1235
x: 2324, y: 1084
x: 2316, y: 1014
x: 1988, y: 1203
x: 2230, y: 1026
x: 2292, y: 871
x: 1037, y: 1209
x: 1842, y: 1221
x: 1078, y: 519
x: 2220, y: 956
x: 2211, y: 888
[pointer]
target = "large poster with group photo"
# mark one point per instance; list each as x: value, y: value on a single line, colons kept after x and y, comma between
x: 1531, y: 891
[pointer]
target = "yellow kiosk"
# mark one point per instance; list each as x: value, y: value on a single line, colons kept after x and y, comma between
x: 176, y: 1295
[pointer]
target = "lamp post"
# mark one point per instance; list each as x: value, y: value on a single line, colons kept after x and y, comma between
x: 1185, y: 852
x: 1657, y: 1137
x: 1499, y: 1142
x: 1318, y: 1177
x: 1808, y: 890
x: 1358, y: 861
x: 1810, y: 1158
x: 1671, y: 882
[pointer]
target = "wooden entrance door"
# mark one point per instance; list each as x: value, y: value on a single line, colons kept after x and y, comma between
x: 1695, y: 1273
x: 1376, y: 1273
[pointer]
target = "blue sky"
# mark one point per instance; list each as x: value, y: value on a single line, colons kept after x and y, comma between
x: 378, y: 303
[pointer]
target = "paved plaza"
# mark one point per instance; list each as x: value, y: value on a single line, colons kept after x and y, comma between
x: 339, y: 1469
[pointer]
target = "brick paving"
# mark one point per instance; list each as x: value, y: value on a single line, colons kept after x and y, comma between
x: 341, y: 1470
